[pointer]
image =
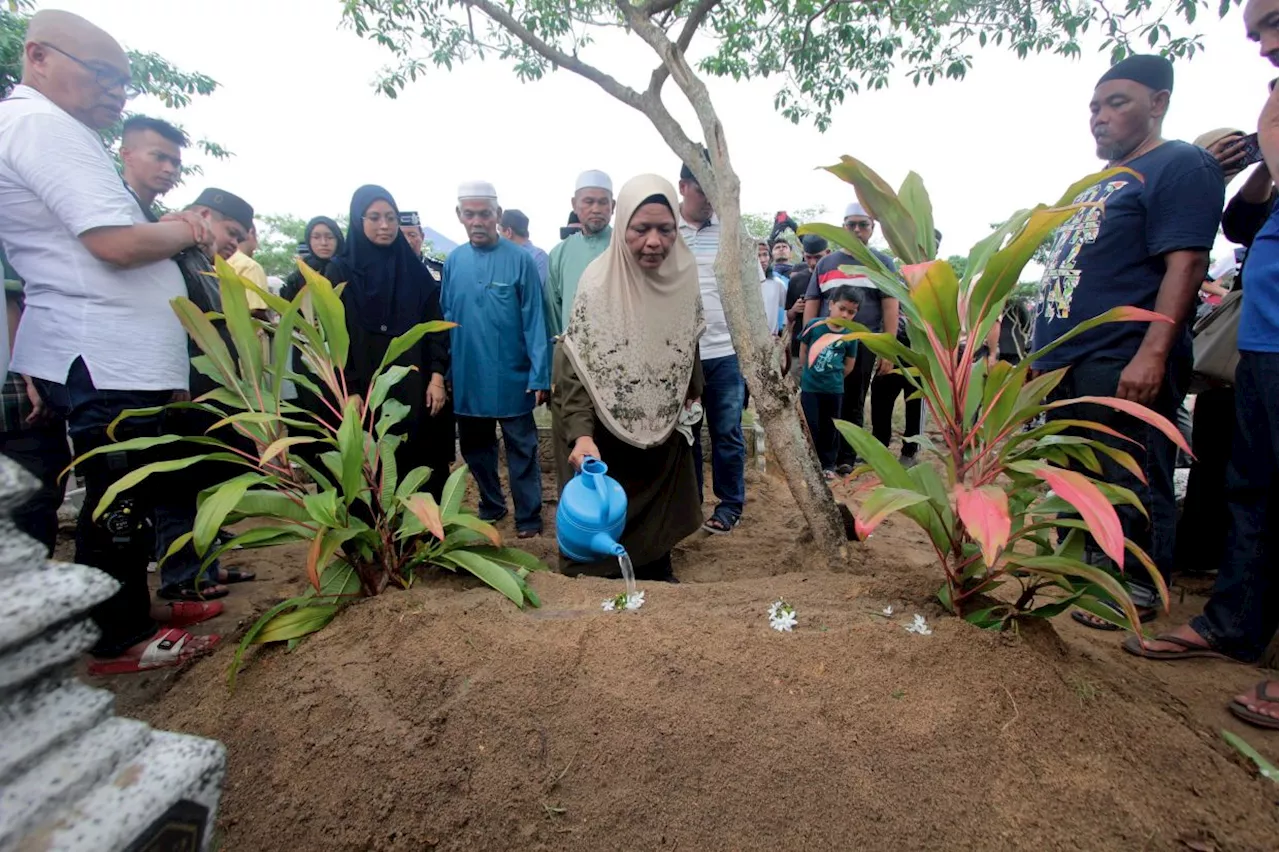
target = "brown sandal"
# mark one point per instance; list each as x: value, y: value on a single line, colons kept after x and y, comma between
x: 1189, y: 650
x: 1253, y: 717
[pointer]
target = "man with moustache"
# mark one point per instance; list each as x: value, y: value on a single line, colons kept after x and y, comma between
x: 1144, y: 241
x: 98, y: 335
x: 501, y: 365
x: 593, y: 205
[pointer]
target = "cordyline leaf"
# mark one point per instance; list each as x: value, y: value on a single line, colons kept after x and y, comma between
x: 822, y: 343
x: 213, y: 510
x: 1073, y: 192
x: 883, y: 205
x: 1094, y: 508
x: 882, y: 503
x: 513, y: 558
x: 207, y: 338
x: 497, y: 576
x: 1121, y: 314
x: 351, y: 451
x: 412, y: 481
x: 328, y: 310
x: 410, y: 338
x: 1074, y: 568
x: 454, y: 487
x: 1133, y: 409
x: 251, y: 634
x: 313, y: 558
x: 474, y: 524
x: 984, y: 512
x: 135, y: 476
x: 277, y: 447
x: 935, y: 293
x: 382, y: 385
x: 915, y: 198
x: 296, y: 624
x: 885, y: 345
x: 235, y: 312
x: 424, y: 508
x: 1004, y: 269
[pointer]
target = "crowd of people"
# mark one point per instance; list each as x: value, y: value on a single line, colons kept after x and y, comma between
x: 620, y: 330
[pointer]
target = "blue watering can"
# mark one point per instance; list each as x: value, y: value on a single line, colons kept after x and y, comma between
x: 591, y: 515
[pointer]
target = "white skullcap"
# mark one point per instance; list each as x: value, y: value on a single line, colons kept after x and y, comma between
x: 855, y: 209
x: 594, y: 179
x: 477, y: 189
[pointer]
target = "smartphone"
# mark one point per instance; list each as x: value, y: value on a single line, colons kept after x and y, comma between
x: 1252, y: 152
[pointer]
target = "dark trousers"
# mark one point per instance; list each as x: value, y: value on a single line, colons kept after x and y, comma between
x: 1240, y: 616
x: 1154, y: 453
x: 854, y: 402
x: 885, y: 391
x: 43, y: 450
x: 820, y: 412
x: 119, y: 542
x: 1202, y: 528
x: 723, y: 398
x: 478, y: 439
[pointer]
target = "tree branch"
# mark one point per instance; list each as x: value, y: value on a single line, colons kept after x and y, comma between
x: 682, y: 42
x: 503, y: 18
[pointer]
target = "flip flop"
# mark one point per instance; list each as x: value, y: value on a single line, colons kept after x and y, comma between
x: 1190, y: 650
x: 170, y: 646
x: 187, y: 613
x: 1079, y: 616
x: 1253, y: 717
x: 188, y: 592
x: 716, y: 525
x: 235, y: 575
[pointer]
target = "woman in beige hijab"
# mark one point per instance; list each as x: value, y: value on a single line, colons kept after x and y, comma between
x: 626, y: 369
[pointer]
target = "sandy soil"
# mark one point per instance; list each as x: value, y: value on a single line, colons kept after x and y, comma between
x: 445, y: 718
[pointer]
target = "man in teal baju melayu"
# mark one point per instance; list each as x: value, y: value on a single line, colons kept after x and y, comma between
x: 593, y: 202
x: 501, y: 364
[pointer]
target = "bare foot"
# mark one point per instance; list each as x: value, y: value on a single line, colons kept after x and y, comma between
x: 1262, y: 701
x: 1183, y: 632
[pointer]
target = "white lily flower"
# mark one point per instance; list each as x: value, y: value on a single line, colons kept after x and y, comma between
x: 783, y: 621
x: 607, y: 605
x: 775, y: 608
x: 887, y: 611
x: 635, y: 600
x: 917, y: 625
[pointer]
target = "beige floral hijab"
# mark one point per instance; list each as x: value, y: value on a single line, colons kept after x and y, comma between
x: 633, y: 333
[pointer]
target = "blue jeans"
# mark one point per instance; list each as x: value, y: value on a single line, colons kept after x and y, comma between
x: 723, y: 398
x: 820, y: 412
x: 479, y: 444
x: 1240, y: 616
x: 119, y: 542
x: 1155, y: 454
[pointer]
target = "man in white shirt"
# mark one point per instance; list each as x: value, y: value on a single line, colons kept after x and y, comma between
x: 724, y: 396
x: 98, y: 335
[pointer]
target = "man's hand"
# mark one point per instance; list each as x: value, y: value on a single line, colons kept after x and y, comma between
x: 582, y: 448
x: 1141, y: 380
x: 1269, y: 134
x: 38, y: 410
x: 540, y: 397
x: 1228, y: 151
x: 436, y: 396
x: 200, y: 228
x: 884, y: 367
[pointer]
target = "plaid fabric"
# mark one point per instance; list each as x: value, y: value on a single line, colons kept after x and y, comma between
x: 14, y: 404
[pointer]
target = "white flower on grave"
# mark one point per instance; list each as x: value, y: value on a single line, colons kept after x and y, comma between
x: 623, y: 601
x: 783, y: 621
x: 782, y: 616
x: 887, y: 611
x: 917, y: 625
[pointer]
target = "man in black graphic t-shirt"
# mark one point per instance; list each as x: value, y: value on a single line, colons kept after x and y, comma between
x: 1144, y: 242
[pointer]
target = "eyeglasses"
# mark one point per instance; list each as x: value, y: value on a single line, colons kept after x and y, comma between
x: 106, y: 78
x: 859, y: 225
x: 379, y: 218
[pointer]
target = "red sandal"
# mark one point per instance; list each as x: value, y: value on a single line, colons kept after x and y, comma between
x: 171, y: 646
x: 187, y: 613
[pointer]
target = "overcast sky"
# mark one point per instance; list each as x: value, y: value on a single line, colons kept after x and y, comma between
x: 297, y: 107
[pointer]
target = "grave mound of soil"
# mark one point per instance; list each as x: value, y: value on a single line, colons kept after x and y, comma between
x: 445, y: 718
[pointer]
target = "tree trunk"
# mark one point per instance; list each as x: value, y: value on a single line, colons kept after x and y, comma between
x: 738, y: 278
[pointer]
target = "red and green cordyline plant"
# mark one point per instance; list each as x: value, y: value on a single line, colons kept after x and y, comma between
x: 368, y: 525
x: 987, y: 513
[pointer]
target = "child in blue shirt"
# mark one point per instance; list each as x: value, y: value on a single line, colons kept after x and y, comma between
x: 822, y: 381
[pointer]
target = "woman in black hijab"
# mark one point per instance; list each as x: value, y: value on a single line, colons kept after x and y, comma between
x: 389, y: 290
x: 323, y: 239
